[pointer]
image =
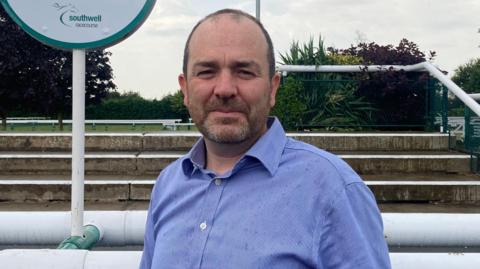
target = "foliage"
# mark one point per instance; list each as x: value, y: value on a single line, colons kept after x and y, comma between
x: 131, y: 105
x: 341, y: 107
x: 406, y: 52
x: 351, y: 99
x: 36, y: 77
x: 467, y: 76
x: 320, y: 98
x: 176, y: 106
x: 15, y: 56
x: 306, y: 54
x: 290, y: 107
x: 54, y: 94
x: 399, y: 96
x: 344, y: 59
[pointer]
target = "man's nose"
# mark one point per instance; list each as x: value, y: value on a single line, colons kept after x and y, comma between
x: 226, y: 85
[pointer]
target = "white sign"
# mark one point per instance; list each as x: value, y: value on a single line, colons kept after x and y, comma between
x: 79, y: 24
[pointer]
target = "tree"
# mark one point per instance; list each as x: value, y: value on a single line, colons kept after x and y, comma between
x: 15, y: 65
x: 399, y: 96
x: 131, y: 105
x: 467, y: 76
x: 53, y: 95
x: 176, y: 106
x: 37, y: 77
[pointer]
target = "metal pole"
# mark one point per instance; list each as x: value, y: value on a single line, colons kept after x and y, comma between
x: 257, y: 10
x: 466, y: 99
x: 350, y: 68
x: 78, y: 141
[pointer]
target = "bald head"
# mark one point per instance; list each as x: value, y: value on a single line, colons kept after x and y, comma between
x: 238, y: 16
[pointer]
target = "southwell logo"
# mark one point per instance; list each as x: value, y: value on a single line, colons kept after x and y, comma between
x: 69, y: 16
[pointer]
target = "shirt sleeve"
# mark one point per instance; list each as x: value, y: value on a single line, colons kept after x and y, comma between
x: 351, y: 233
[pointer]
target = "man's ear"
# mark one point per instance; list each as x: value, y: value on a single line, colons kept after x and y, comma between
x: 274, y: 84
x: 182, y: 81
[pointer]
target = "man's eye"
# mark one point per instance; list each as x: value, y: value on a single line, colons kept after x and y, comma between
x: 205, y: 73
x: 246, y: 74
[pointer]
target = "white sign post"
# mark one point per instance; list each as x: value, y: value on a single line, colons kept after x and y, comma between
x: 79, y: 25
x: 78, y: 141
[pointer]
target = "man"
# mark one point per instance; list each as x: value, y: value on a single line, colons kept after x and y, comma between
x: 246, y: 196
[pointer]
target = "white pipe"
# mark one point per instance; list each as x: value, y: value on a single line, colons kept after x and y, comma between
x: 475, y: 96
x: 128, y: 227
x: 120, y: 228
x: 431, y: 229
x: 349, y: 68
x: 435, y: 260
x: 68, y: 259
x: 466, y: 99
x: 78, y: 141
x: 83, y: 259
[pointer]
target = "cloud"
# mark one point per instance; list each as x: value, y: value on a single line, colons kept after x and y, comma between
x: 171, y: 25
x: 171, y: 17
x: 448, y: 27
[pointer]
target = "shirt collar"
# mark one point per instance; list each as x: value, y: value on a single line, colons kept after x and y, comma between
x: 267, y: 150
x: 269, y: 147
x: 195, y: 158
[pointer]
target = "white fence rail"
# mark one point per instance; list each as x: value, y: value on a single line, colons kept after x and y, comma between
x: 132, y: 122
x: 456, y: 124
x: 172, y: 124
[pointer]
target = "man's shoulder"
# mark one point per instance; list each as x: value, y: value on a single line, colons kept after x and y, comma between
x: 169, y: 176
x: 175, y: 169
x: 322, y: 176
x: 321, y: 161
x: 179, y: 165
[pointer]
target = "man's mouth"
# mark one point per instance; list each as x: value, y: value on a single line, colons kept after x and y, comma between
x: 226, y: 112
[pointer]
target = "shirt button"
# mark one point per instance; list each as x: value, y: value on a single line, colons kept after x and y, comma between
x: 218, y: 182
x: 203, y: 226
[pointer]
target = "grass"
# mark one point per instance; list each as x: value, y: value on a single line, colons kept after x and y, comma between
x: 67, y: 128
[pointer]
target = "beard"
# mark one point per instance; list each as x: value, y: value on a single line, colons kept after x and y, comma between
x: 247, y: 123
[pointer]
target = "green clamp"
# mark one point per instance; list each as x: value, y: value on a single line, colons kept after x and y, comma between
x: 91, y: 236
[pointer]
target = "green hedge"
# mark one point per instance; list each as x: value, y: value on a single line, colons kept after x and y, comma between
x: 133, y: 106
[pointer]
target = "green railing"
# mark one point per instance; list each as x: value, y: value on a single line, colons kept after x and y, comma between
x: 434, y: 104
x: 471, y: 142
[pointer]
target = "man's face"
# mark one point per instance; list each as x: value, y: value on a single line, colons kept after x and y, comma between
x: 227, y: 88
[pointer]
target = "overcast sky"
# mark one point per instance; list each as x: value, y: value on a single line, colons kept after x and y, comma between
x: 149, y: 61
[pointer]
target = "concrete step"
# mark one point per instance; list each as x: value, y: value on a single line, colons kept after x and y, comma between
x: 426, y: 191
x: 397, y: 162
x: 182, y: 141
x: 60, y: 190
x: 445, y: 177
x: 103, y: 163
x: 150, y: 163
x: 139, y: 190
x: 64, y: 205
x: 420, y: 177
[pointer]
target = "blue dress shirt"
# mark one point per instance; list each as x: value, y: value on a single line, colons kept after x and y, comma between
x: 285, y: 204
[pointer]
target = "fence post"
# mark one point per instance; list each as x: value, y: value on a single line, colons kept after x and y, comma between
x: 445, y: 109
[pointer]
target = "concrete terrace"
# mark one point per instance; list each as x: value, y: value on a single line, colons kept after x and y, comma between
x: 122, y: 167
